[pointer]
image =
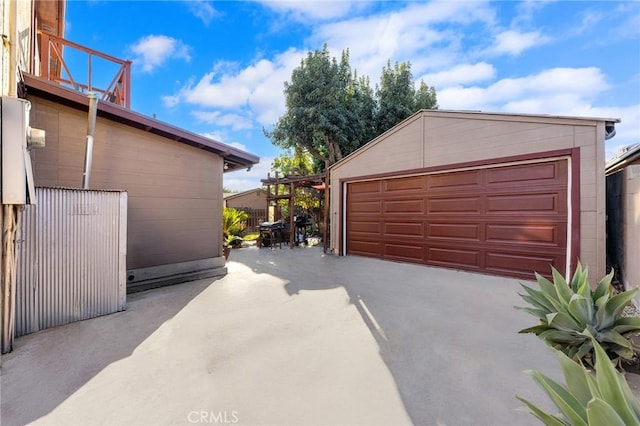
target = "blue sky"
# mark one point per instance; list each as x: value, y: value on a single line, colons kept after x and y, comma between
x: 218, y: 67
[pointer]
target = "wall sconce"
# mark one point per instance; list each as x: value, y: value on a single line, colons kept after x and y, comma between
x: 226, y: 166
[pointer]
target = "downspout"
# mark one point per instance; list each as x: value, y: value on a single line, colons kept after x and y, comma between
x: 91, y: 129
x: 10, y: 212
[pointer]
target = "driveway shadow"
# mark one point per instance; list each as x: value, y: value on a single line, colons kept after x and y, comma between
x: 449, y: 338
x: 47, y: 367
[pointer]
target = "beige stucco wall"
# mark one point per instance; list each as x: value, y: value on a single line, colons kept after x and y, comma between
x: 22, y: 19
x: 439, y: 138
x: 631, y: 227
x: 174, y: 190
x: 253, y: 200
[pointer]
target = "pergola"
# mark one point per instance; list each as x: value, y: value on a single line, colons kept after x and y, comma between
x: 317, y: 181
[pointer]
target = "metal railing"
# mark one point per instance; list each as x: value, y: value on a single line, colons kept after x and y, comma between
x: 52, y: 64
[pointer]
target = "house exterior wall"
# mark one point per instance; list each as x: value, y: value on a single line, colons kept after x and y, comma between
x: 631, y: 227
x: 439, y: 138
x: 21, y: 17
x: 175, y: 191
x: 253, y: 200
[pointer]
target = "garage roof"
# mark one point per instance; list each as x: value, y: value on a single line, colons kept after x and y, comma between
x: 234, y: 158
x: 629, y: 155
x: 481, y: 115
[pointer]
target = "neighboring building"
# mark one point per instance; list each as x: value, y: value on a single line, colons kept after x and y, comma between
x: 254, y: 202
x: 623, y: 216
x: 252, y: 199
x: 173, y: 177
x: 504, y: 194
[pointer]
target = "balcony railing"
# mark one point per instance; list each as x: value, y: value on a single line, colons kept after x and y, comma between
x: 54, y: 68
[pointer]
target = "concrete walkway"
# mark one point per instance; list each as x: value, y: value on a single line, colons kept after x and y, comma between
x: 289, y: 337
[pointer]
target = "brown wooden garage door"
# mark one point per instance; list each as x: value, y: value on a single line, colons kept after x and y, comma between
x: 508, y: 220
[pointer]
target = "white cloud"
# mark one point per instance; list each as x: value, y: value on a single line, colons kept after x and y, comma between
x: 460, y: 74
x: 527, y: 9
x: 153, y: 51
x: 416, y: 33
x: 313, y: 10
x: 259, y: 86
x: 203, y: 10
x: 549, y: 90
x: 170, y: 100
x: 243, y: 180
x: 235, y: 121
x: 513, y: 42
x: 238, y: 145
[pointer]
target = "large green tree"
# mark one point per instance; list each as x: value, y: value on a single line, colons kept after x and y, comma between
x: 397, y: 97
x: 331, y: 111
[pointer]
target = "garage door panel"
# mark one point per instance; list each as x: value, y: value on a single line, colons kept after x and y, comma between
x: 454, y: 257
x: 366, y: 187
x: 366, y: 227
x: 372, y: 207
x: 402, y: 185
x: 507, y: 220
x: 410, y: 252
x: 524, y: 203
x: 403, y: 206
x: 406, y: 229
x: 453, y: 181
x: 541, y: 173
x: 454, y: 231
x: 528, y: 234
x: 453, y: 205
x: 522, y: 265
x: 365, y: 248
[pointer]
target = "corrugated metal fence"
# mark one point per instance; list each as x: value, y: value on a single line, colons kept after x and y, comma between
x: 71, y: 258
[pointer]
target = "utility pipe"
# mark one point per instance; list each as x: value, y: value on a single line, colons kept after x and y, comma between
x: 91, y: 129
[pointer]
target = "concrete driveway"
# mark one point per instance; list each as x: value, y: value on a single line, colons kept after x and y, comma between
x: 289, y: 337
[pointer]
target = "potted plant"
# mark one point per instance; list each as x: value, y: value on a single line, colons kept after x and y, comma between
x: 233, y: 223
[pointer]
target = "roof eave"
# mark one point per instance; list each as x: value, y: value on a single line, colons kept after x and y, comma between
x: 234, y: 158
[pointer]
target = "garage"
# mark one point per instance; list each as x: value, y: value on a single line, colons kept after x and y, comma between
x: 507, y: 219
x: 494, y: 193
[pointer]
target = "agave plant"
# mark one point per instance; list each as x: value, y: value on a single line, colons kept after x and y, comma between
x: 569, y: 313
x: 603, y: 398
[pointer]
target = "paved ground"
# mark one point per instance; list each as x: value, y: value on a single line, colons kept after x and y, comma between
x: 289, y: 337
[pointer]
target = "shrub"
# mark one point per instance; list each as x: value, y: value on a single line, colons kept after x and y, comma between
x: 570, y: 314
x: 603, y: 398
x: 233, y: 221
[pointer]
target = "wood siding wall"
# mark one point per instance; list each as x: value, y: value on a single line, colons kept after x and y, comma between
x: 175, y: 191
x: 252, y: 200
x: 434, y: 139
x: 631, y: 231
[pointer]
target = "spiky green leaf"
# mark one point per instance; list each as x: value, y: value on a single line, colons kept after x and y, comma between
x: 581, y: 309
x: 561, y: 336
x: 562, y: 288
x: 604, y: 287
x: 627, y: 324
x: 576, y: 377
x: 564, y: 400
x: 545, y: 418
x: 601, y: 413
x: 608, y: 380
x: 564, y: 321
x: 538, y: 313
x: 607, y: 314
x: 537, y: 329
